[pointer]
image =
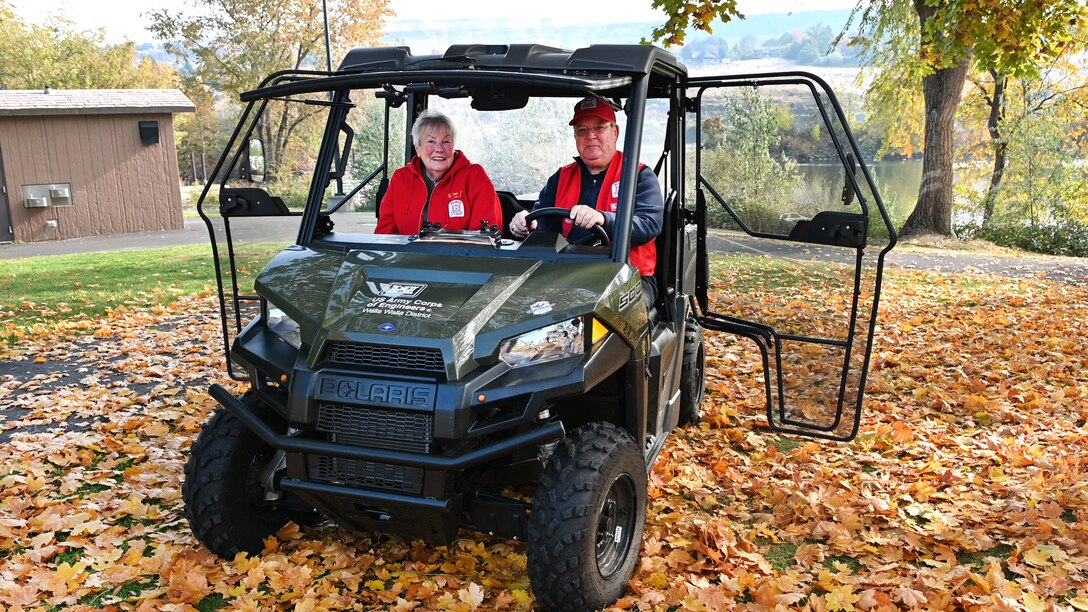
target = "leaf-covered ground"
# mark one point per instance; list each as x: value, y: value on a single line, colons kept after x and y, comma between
x: 965, y: 489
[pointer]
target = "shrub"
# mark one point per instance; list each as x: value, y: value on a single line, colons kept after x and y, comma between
x: 1068, y: 238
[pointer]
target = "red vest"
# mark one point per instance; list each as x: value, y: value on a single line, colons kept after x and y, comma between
x: 569, y: 190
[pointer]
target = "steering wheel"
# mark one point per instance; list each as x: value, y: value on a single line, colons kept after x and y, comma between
x: 555, y: 211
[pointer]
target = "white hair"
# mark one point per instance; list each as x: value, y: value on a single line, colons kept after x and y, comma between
x: 427, y: 122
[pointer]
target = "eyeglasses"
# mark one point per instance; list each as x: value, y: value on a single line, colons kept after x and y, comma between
x: 583, y: 131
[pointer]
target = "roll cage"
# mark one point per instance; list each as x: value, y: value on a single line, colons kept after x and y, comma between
x: 502, y: 77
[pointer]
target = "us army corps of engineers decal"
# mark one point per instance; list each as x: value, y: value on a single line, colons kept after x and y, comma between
x: 406, y: 300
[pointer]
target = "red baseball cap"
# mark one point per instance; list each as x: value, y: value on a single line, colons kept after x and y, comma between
x: 592, y: 107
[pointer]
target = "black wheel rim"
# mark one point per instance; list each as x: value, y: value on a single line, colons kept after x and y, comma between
x: 254, y: 488
x: 615, y: 525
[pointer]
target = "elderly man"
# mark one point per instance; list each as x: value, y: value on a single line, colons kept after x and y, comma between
x: 590, y: 188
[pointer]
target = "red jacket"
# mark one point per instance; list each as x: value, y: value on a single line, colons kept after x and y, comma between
x: 463, y: 198
x: 569, y: 191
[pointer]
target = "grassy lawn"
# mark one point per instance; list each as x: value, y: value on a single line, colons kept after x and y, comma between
x: 48, y: 290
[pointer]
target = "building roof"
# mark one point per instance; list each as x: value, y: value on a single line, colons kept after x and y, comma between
x: 92, y: 101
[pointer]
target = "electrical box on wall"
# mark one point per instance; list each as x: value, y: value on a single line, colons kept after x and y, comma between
x: 46, y: 195
x: 149, y: 132
x: 60, y: 195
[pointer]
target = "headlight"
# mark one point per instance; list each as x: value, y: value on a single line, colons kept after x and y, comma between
x: 545, y: 344
x: 283, y: 326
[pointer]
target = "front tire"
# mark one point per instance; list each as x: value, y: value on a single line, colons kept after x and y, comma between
x: 223, y: 493
x: 588, y: 515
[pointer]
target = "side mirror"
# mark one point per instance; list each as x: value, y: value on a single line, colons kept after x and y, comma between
x: 255, y: 160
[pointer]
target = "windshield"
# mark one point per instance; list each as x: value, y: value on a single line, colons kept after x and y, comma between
x: 518, y: 149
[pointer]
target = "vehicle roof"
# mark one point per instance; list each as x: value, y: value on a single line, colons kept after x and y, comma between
x: 623, y: 59
x: 531, y: 69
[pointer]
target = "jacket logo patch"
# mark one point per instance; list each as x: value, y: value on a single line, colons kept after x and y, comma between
x: 616, y: 189
x: 457, y: 209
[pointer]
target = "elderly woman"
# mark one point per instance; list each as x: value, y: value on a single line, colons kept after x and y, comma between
x: 440, y: 185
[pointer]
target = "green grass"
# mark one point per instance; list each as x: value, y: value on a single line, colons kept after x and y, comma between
x: 748, y: 272
x: 981, y: 558
x: 90, y: 488
x: 122, y: 592
x: 215, y: 601
x: 70, y: 556
x: 784, y: 444
x: 37, y: 290
x: 781, y: 556
x: 851, y: 563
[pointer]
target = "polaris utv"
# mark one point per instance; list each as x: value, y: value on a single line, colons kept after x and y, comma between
x: 423, y: 384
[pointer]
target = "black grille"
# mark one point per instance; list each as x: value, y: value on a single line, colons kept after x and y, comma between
x: 376, y: 427
x: 381, y: 355
x: 355, y: 473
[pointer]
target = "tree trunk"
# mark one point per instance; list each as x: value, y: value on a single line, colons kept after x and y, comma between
x: 999, y: 145
x: 942, y: 90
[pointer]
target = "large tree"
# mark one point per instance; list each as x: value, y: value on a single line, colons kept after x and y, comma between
x: 232, y: 45
x: 952, y: 39
x: 60, y: 55
x: 928, y: 47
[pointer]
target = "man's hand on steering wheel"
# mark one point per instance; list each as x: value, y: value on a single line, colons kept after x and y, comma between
x: 594, y: 220
x: 586, y: 217
x: 519, y: 227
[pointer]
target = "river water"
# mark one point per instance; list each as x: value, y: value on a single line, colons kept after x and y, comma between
x: 897, y: 182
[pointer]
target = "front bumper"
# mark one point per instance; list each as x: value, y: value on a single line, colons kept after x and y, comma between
x: 435, y: 514
x: 444, y: 462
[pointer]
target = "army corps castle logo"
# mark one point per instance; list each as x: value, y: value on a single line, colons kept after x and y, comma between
x: 396, y: 290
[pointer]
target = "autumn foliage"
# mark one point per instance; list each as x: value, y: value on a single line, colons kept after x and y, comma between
x: 965, y: 489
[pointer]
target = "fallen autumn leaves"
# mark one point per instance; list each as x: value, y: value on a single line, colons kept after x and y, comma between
x: 966, y: 487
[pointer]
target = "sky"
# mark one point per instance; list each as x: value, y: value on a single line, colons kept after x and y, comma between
x: 126, y: 20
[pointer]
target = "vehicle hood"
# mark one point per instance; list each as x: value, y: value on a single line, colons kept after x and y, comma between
x: 464, y: 306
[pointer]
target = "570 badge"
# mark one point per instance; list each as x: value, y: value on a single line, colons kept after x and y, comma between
x: 375, y: 392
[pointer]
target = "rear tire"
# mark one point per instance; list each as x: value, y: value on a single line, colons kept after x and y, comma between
x: 588, y: 515
x: 223, y: 493
x: 692, y: 375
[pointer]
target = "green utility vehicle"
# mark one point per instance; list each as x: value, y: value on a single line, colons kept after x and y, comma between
x: 454, y: 380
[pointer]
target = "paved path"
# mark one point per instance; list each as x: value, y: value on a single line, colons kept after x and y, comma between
x: 1063, y: 269
x: 252, y: 229
x: 1071, y: 270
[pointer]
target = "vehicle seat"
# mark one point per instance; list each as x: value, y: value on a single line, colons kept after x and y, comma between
x: 510, y: 207
x: 665, y: 273
x: 383, y: 186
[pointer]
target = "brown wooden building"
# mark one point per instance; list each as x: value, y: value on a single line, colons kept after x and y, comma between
x: 88, y: 162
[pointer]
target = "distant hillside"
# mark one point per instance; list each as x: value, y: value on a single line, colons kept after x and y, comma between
x: 774, y: 24
x: 426, y: 35
x: 430, y: 36
x: 156, y: 52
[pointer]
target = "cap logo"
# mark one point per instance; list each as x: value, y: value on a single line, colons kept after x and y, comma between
x: 587, y: 104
